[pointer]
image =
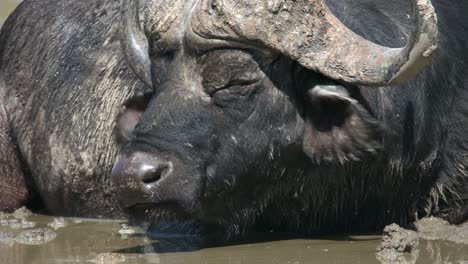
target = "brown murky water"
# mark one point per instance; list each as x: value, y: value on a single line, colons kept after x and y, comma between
x: 6, y: 7
x: 43, y: 239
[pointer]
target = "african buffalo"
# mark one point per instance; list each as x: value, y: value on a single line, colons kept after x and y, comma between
x: 248, y: 113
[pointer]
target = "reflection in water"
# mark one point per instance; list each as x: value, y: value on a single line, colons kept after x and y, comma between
x: 81, y: 241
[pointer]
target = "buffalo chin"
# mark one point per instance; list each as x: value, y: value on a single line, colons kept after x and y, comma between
x: 145, y: 215
x: 169, y: 222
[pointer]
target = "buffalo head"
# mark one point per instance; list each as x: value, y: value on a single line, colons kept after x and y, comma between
x: 246, y: 96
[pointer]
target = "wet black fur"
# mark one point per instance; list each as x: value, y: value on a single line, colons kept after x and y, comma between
x: 415, y: 166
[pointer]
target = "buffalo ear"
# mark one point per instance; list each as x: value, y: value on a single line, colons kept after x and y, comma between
x: 129, y: 117
x: 126, y: 122
x: 337, y: 127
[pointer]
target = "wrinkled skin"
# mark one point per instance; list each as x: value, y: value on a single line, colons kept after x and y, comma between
x: 236, y: 136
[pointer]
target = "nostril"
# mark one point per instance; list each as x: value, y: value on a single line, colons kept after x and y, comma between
x: 153, y: 173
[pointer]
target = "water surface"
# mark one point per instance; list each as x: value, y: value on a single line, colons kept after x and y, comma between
x: 6, y: 7
x: 99, y: 241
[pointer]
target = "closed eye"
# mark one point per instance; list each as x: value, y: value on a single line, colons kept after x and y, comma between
x: 236, y: 83
x: 241, y: 82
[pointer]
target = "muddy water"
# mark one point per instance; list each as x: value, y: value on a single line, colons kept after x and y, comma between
x: 44, y: 239
x: 6, y: 7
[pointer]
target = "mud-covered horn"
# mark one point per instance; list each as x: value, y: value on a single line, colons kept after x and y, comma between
x: 134, y: 41
x: 307, y: 32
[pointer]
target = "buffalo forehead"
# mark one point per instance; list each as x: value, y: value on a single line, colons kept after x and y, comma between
x: 164, y: 20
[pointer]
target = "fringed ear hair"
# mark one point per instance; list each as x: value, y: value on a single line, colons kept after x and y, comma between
x: 337, y: 127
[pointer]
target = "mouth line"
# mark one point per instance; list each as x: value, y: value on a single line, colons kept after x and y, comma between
x: 147, y: 207
x: 156, y: 212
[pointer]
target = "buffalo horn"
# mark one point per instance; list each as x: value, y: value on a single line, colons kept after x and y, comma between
x: 134, y: 41
x: 307, y: 32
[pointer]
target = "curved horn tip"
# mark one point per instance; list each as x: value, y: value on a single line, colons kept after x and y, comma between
x: 134, y: 42
x: 423, y: 47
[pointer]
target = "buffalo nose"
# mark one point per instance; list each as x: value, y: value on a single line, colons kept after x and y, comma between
x: 137, y: 175
x: 151, y: 173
